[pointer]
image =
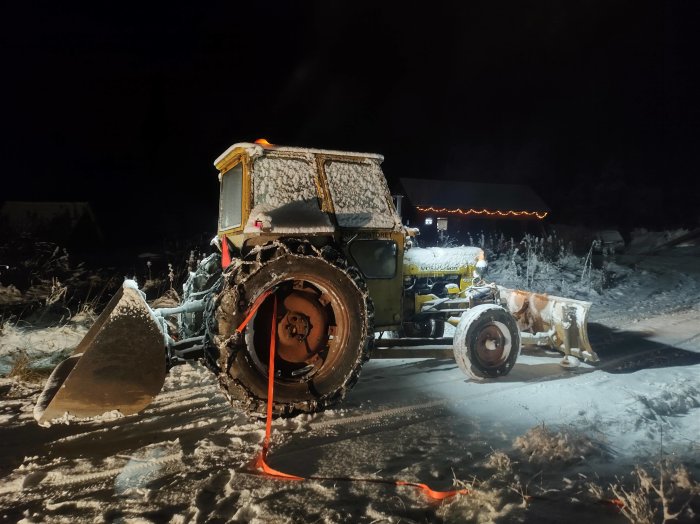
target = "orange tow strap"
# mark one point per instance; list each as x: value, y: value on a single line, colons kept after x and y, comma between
x: 260, y: 461
x: 253, y: 309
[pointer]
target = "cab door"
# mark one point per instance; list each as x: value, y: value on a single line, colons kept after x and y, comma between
x: 380, y: 259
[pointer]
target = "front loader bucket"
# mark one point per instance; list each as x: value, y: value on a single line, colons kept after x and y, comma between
x: 547, y: 320
x: 119, y: 365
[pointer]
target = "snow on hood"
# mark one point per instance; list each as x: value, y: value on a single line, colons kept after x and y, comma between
x: 442, y: 258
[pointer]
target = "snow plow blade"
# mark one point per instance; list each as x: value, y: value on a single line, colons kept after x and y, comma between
x: 547, y: 320
x: 119, y: 365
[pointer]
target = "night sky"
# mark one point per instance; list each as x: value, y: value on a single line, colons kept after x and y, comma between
x: 594, y: 104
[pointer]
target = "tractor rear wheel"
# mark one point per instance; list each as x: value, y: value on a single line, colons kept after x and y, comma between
x: 486, y: 342
x: 323, y: 322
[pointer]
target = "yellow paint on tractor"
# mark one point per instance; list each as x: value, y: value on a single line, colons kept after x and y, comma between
x: 230, y: 159
x: 466, y: 271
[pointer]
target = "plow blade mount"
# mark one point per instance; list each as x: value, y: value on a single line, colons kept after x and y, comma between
x: 119, y: 364
x: 547, y: 320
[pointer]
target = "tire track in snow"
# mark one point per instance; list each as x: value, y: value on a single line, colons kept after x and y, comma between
x: 386, y: 413
x: 135, y: 465
x: 155, y: 421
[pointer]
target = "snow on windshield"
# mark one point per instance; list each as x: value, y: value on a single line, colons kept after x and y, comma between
x: 284, y: 191
x: 279, y: 181
x: 359, y: 194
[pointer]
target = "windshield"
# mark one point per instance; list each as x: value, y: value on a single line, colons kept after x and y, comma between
x: 360, y: 194
x: 279, y: 182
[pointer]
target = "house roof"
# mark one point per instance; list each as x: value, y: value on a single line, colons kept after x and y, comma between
x: 471, y: 198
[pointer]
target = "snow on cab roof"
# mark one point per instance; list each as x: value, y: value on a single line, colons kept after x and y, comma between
x: 256, y: 150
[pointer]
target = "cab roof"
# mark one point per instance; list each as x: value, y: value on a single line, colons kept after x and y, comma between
x: 254, y: 150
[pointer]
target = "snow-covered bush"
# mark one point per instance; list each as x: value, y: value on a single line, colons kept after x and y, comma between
x: 29, y: 353
x: 546, y: 265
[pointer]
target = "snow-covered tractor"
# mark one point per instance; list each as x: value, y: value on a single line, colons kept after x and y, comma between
x: 312, y: 261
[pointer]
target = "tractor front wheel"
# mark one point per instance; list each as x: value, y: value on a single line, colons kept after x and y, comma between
x: 486, y: 342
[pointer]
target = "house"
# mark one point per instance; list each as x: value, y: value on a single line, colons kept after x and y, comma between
x: 457, y: 209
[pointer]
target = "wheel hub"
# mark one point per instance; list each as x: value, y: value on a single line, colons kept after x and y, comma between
x: 303, y: 329
x: 297, y: 325
x: 490, y: 345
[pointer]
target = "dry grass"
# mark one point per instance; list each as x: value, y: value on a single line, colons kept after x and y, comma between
x: 501, y: 494
x: 22, y: 370
x: 662, y: 494
x: 546, y: 446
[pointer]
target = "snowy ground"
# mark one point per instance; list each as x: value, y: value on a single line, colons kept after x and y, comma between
x: 543, y: 444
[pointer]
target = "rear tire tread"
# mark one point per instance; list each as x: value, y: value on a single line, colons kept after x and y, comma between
x: 230, y: 307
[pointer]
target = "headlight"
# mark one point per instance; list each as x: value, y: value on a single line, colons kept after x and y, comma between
x: 481, y: 266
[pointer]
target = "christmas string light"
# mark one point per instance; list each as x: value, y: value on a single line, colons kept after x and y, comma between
x: 484, y: 212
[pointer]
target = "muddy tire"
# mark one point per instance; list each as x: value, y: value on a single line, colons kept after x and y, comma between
x: 486, y: 342
x: 323, y: 323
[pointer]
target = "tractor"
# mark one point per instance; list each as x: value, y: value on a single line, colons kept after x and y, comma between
x: 310, y: 258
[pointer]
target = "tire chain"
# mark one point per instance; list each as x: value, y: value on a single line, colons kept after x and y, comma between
x: 229, y: 298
